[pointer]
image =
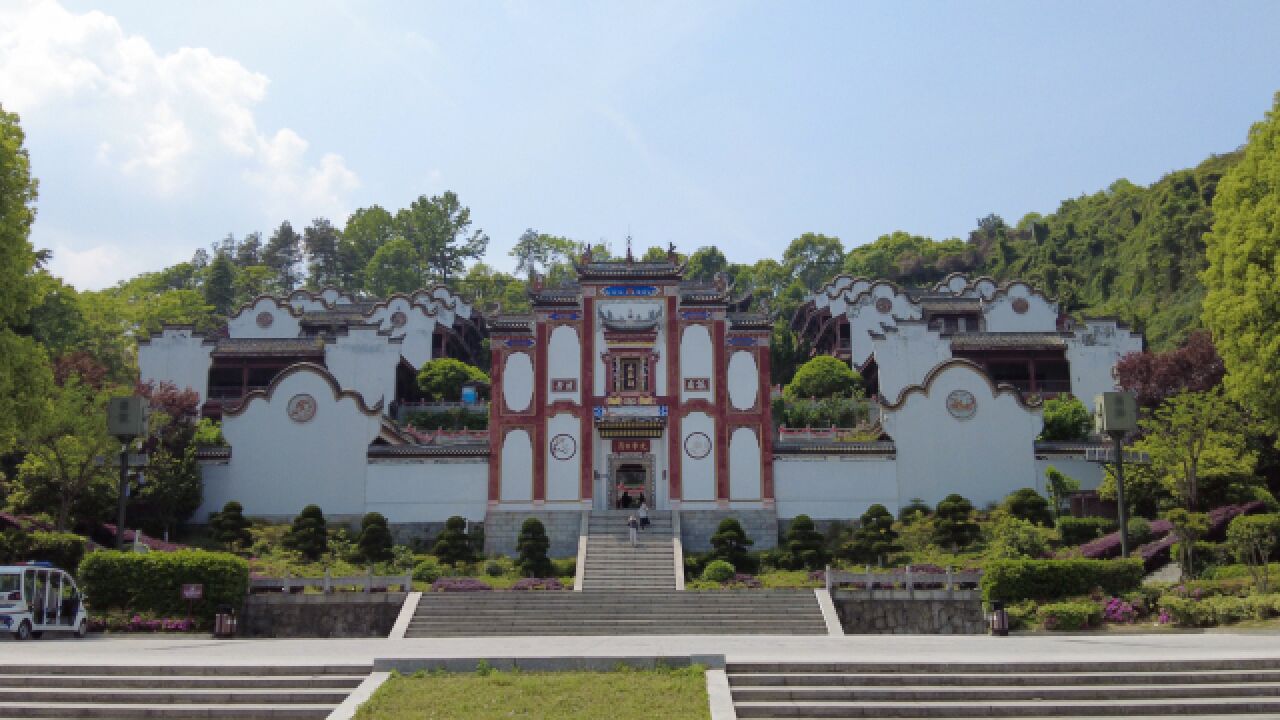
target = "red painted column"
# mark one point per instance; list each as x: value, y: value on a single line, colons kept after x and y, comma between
x: 766, y: 425
x: 720, y: 418
x: 674, y: 409
x: 495, y: 422
x: 586, y: 391
x: 539, y: 411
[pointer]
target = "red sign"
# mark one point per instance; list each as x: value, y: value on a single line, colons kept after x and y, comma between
x: 193, y: 591
x: 631, y: 446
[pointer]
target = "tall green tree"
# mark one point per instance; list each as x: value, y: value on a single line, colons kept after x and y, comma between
x: 1193, y: 437
x: 219, y: 284
x: 705, y: 262
x: 249, y: 251
x: 367, y: 229
x: 813, y: 258
x: 392, y: 269
x: 439, y: 228
x: 24, y: 370
x: 822, y: 377
x: 321, y: 239
x: 1242, y: 302
x: 443, y: 378
x: 283, y: 254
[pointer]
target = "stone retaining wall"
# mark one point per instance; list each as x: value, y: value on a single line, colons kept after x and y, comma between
x: 502, y: 529
x: 902, y: 612
x: 333, y: 615
x: 697, y: 527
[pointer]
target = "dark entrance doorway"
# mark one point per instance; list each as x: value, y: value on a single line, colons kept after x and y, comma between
x: 633, y: 478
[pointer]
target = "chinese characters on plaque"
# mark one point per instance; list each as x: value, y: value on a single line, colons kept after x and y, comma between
x: 564, y: 385
x: 697, y: 384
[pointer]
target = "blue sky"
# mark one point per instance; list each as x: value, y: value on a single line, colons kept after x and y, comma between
x: 157, y: 128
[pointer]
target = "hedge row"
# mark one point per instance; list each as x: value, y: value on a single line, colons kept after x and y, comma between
x: 1017, y: 580
x: 152, y: 582
x: 1078, y: 531
x: 64, y: 550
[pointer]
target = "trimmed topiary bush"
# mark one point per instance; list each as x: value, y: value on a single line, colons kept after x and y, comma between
x: 1017, y: 580
x: 718, y: 571
x: 1027, y: 504
x: 152, y: 582
x: 874, y: 539
x: 730, y: 544
x: 953, y: 523
x: 1077, y: 531
x: 1069, y: 615
x: 375, y: 538
x: 1139, y: 531
x: 453, y: 546
x: 309, y: 534
x: 230, y: 527
x: 915, y: 510
x: 804, y: 547
x: 427, y: 570
x: 532, y: 546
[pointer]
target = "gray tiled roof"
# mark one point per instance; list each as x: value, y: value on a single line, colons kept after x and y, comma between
x: 269, y: 346
x: 1009, y: 341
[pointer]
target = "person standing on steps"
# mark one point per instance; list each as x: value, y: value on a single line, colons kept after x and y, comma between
x: 632, y: 526
x: 644, y: 513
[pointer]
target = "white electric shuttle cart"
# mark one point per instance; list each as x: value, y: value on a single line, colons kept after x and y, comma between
x: 36, y: 598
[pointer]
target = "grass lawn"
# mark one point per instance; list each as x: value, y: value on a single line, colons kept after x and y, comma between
x: 623, y: 694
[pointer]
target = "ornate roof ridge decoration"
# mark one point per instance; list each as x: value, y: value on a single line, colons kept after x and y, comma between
x: 213, y: 452
x: 338, y: 393
x: 875, y: 447
x: 1003, y: 290
x: 1017, y: 340
x: 208, y: 337
x: 429, y: 310
x: 632, y: 322
x: 511, y: 324
x: 284, y: 346
x: 1121, y: 324
x: 411, y: 450
x: 1069, y: 448
x: 318, y: 295
x: 924, y: 386
x: 282, y: 304
x: 749, y: 321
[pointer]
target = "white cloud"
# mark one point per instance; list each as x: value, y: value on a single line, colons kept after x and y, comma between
x: 174, y: 124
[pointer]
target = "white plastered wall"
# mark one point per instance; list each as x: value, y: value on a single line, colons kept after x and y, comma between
x: 517, y: 382
x: 1088, y: 474
x: 419, y: 491
x: 743, y: 379
x: 698, y: 475
x: 744, y: 465
x: 563, y: 474
x: 1041, y: 315
x: 835, y: 487
x: 179, y: 356
x: 283, y: 323
x: 906, y: 355
x: 278, y: 465
x: 1093, y: 354
x: 516, y: 472
x: 983, y: 458
x: 364, y: 361
x: 564, y: 362
x: 695, y: 361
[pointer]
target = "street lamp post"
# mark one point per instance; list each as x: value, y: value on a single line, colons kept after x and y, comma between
x: 126, y: 420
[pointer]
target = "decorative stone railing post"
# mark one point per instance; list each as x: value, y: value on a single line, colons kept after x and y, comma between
x: 368, y: 586
x: 327, y: 580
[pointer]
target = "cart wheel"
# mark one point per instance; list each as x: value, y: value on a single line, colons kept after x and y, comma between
x: 82, y: 629
x: 23, y: 632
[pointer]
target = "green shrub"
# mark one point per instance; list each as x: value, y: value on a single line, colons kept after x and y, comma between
x: 1013, y: 538
x: 730, y: 544
x: 718, y: 571
x: 1015, y: 580
x: 493, y: 568
x: 1069, y: 615
x: 1254, y: 539
x: 822, y: 376
x: 453, y: 546
x: 1021, y: 614
x: 953, y: 523
x: 375, y: 538
x: 915, y: 510
x: 230, y: 527
x: 64, y: 550
x: 427, y: 570
x: 1139, y: 531
x: 1206, y: 555
x: 803, y: 548
x: 1027, y: 504
x: 1078, y: 531
x: 308, y: 535
x: 443, y: 378
x: 152, y: 582
x: 565, y: 567
x: 1066, y: 419
x: 532, y: 546
x: 874, y: 540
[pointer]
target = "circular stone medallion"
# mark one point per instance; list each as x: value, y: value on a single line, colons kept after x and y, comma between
x: 265, y: 319
x: 563, y: 447
x: 301, y: 408
x: 1020, y: 305
x: 697, y: 445
x: 884, y: 304
x: 398, y: 319
x: 962, y: 404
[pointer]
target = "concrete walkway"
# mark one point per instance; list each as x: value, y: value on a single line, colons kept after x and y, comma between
x: 157, y: 650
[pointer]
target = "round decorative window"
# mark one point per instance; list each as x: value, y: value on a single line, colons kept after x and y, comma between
x: 884, y: 305
x: 697, y: 445
x: 563, y: 447
x: 265, y: 319
x: 1020, y: 305
x: 301, y: 408
x: 398, y: 319
x: 962, y: 404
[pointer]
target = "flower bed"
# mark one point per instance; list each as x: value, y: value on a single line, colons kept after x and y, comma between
x: 460, y: 584
x: 527, y: 584
x: 1108, y: 546
x: 140, y: 624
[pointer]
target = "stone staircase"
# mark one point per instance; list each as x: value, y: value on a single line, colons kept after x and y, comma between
x: 612, y: 564
x: 614, y: 612
x: 1190, y: 689
x: 120, y: 692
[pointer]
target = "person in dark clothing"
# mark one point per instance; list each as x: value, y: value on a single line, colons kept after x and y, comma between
x: 625, y: 501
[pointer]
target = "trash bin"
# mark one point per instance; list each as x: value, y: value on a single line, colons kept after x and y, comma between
x: 224, y: 622
x: 999, y: 620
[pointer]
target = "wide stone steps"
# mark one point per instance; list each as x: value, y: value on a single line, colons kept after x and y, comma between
x: 123, y: 692
x: 612, y: 563
x: 1127, y: 689
x: 643, y: 612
